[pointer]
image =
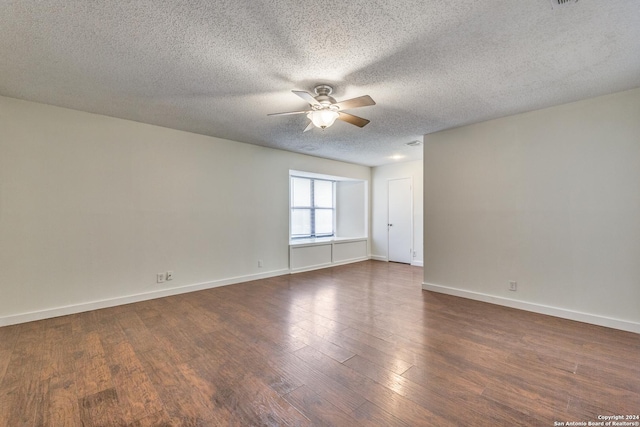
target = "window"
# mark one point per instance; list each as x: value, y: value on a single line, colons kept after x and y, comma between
x: 312, y: 207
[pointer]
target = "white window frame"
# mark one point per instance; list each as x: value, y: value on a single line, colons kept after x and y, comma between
x: 312, y: 208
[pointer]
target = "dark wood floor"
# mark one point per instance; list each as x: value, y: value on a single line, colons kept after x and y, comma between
x: 352, y: 345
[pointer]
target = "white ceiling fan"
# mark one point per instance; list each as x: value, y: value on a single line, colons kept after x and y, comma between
x: 325, y: 109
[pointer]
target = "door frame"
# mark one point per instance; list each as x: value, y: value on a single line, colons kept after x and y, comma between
x: 410, y: 178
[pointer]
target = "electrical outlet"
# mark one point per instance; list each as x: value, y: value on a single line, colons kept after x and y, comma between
x: 169, y: 275
x: 160, y: 277
x: 260, y: 263
x: 513, y: 286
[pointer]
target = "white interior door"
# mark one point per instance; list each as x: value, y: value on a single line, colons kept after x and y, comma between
x: 400, y: 220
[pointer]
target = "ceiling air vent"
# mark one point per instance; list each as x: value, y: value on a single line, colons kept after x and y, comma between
x: 555, y: 3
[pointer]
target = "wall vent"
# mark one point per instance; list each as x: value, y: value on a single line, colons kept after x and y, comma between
x: 413, y: 143
x: 557, y: 3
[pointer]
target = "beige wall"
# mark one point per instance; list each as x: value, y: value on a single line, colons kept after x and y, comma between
x: 352, y: 209
x: 550, y: 199
x: 92, y: 207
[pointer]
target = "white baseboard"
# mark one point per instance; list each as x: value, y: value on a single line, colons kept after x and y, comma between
x: 112, y: 302
x: 383, y: 258
x: 537, y: 308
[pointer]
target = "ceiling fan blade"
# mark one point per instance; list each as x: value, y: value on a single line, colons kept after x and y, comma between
x: 361, y: 101
x: 288, y: 113
x: 309, y: 127
x: 306, y: 96
x: 354, y: 120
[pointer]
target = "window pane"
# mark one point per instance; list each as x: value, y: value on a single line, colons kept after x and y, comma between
x: 324, y: 222
x: 323, y: 194
x: 301, y: 192
x: 300, y: 222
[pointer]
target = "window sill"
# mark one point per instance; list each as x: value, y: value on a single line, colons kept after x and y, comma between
x: 324, y: 240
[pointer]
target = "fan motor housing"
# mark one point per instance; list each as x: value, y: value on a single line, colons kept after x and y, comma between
x: 323, y: 92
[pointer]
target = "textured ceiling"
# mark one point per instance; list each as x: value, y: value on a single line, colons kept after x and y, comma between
x: 219, y: 67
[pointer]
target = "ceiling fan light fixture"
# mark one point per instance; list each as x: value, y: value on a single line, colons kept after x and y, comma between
x: 324, y: 110
x: 322, y: 118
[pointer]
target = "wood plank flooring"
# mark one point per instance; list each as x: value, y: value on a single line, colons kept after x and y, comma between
x: 360, y: 344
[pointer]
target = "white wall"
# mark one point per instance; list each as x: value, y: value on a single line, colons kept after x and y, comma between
x: 92, y: 207
x: 550, y: 199
x: 351, y: 209
x: 380, y: 176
